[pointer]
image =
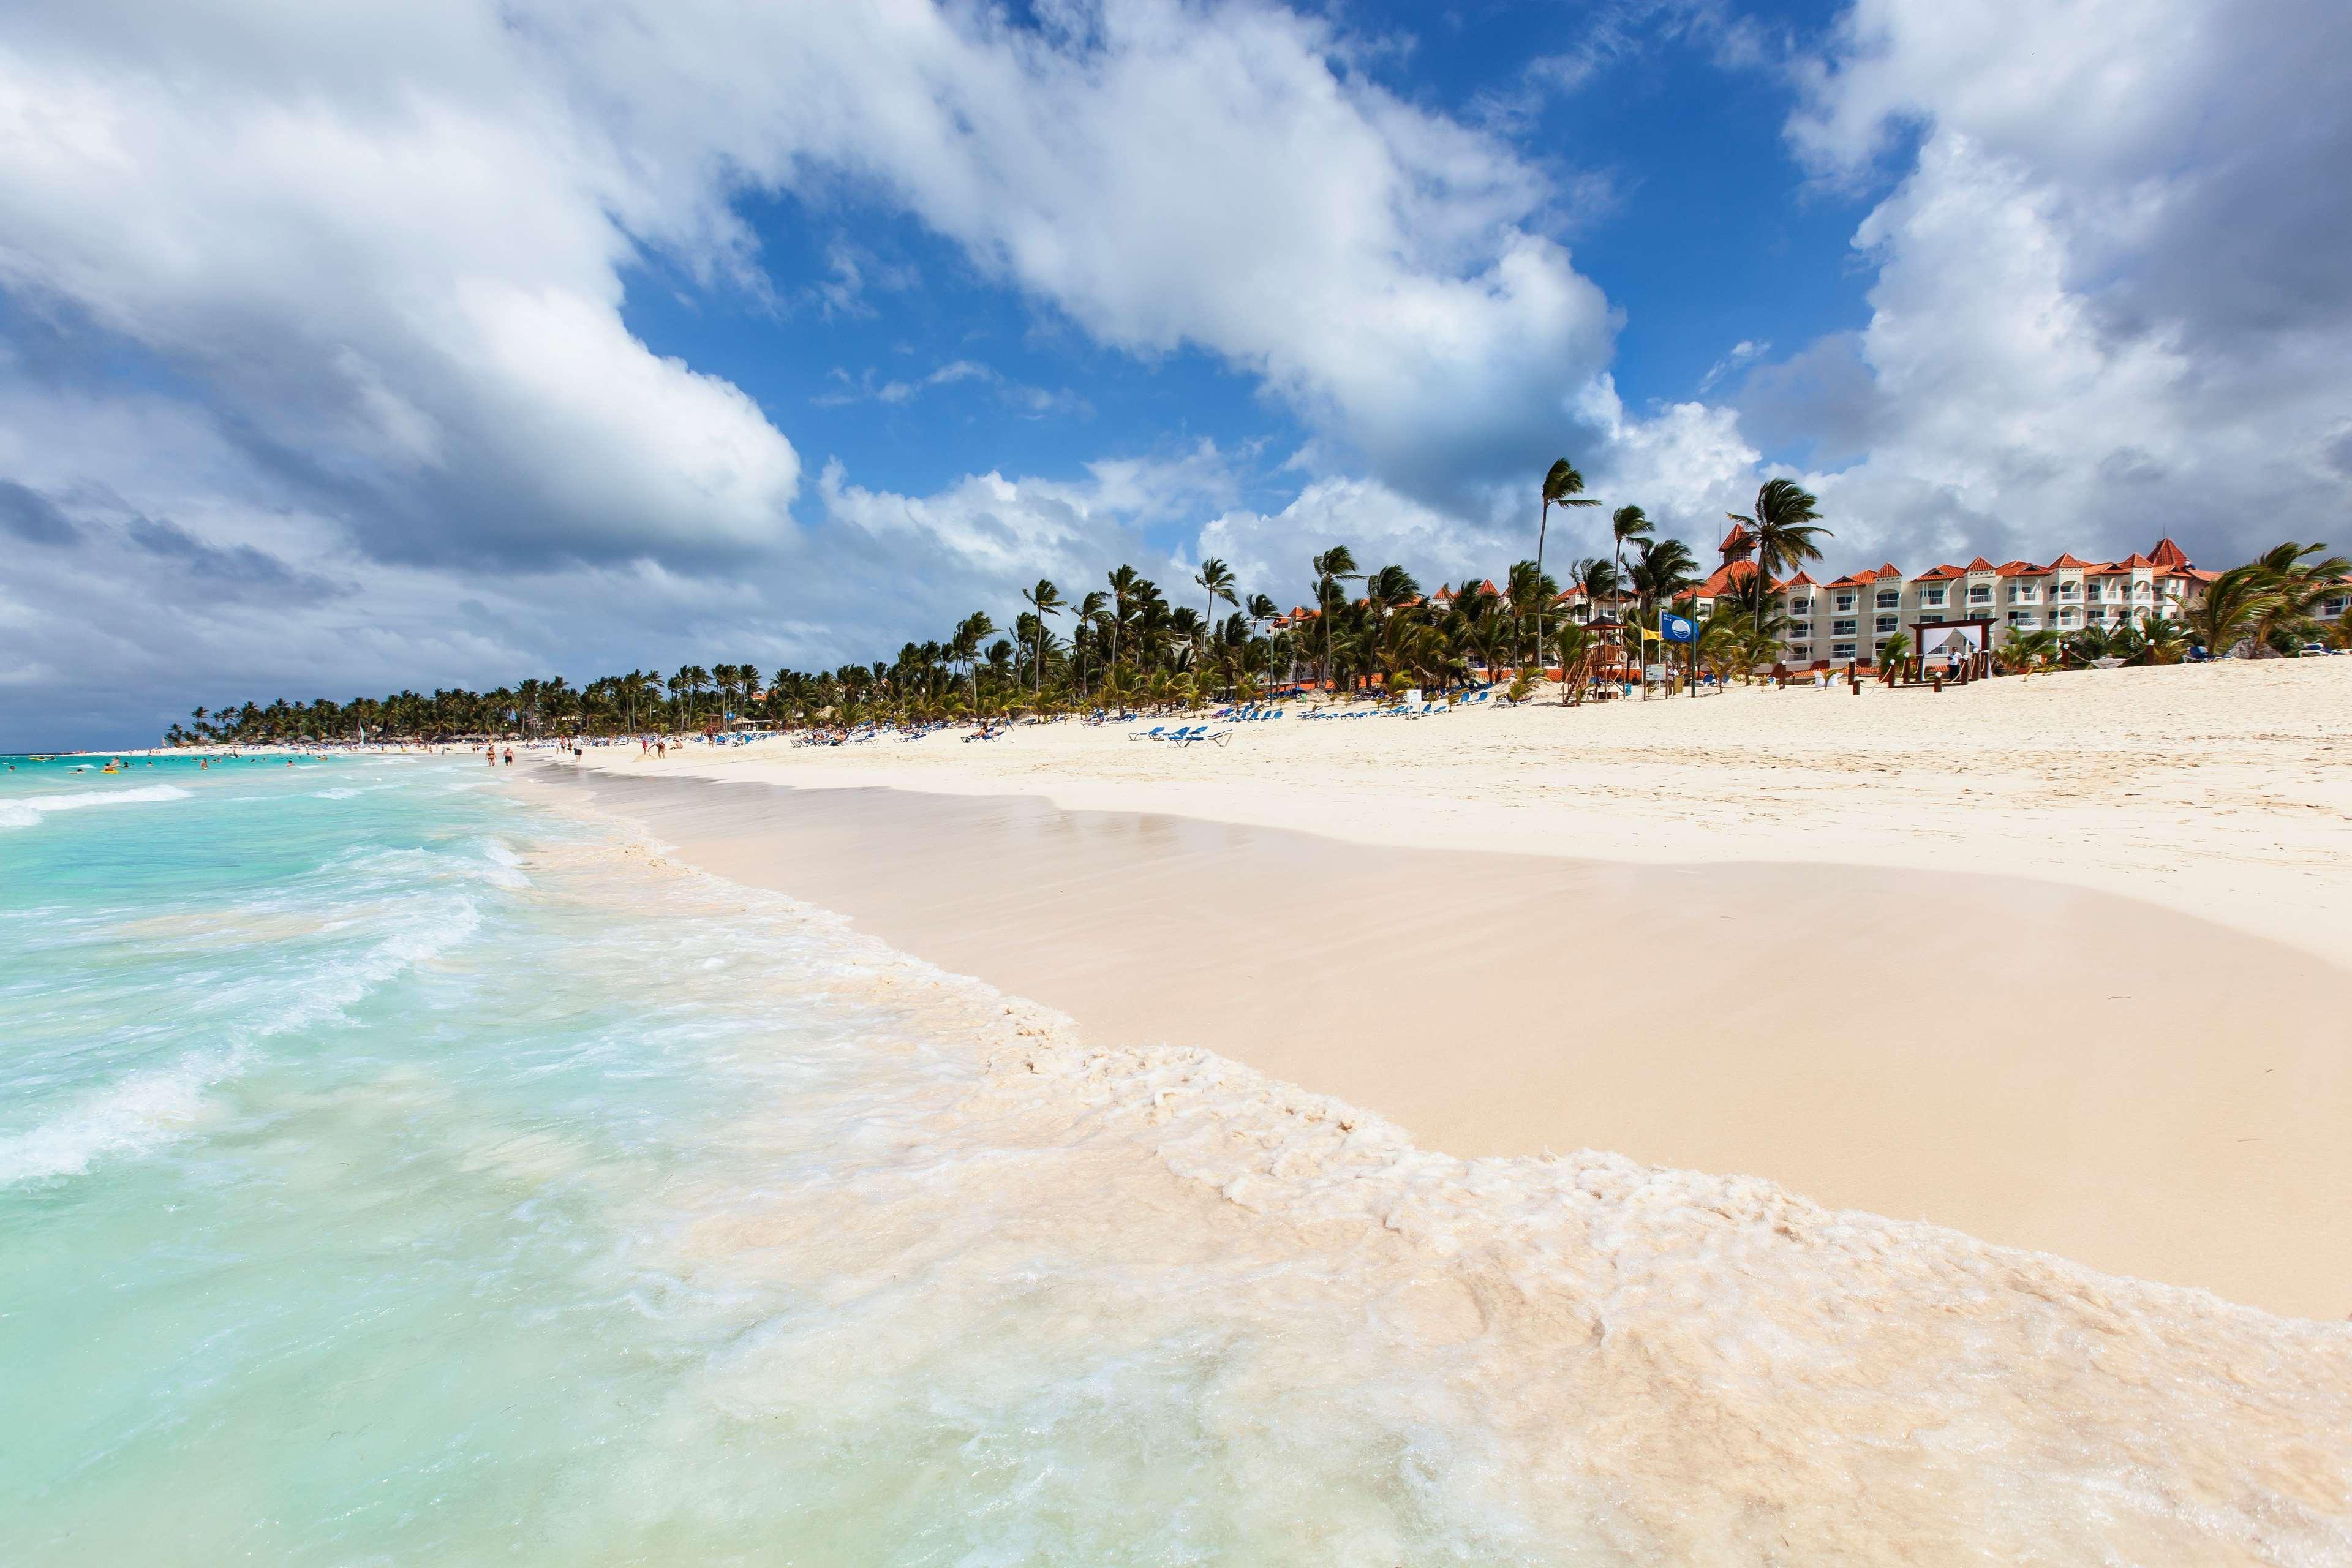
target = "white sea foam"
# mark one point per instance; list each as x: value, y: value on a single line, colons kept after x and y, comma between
x: 134, y: 1115
x: 1569, y: 1359
x: 26, y: 811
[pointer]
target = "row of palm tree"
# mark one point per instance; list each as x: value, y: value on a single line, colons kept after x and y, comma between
x: 1125, y: 647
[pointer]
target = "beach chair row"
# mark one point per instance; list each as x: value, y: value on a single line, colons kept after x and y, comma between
x: 1182, y: 734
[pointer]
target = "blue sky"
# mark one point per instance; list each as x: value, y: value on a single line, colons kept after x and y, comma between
x: 449, y: 342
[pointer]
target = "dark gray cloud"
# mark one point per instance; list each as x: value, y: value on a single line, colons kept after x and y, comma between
x: 240, y: 569
x: 28, y: 515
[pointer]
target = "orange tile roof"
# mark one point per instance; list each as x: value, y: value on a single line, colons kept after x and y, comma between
x: 2167, y: 553
x: 1981, y: 565
x: 1937, y: 573
x: 2068, y: 560
x: 2022, y: 569
x: 1801, y: 580
x: 1721, y: 580
x: 1733, y: 540
x: 1889, y: 570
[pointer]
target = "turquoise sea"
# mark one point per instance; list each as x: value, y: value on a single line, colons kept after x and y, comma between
x: 393, y: 1170
x: 396, y: 1167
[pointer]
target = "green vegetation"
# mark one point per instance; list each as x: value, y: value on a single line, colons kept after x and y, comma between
x: 1125, y: 648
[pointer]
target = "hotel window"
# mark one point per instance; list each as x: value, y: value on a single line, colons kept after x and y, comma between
x: 1844, y: 603
x: 2139, y: 591
x: 1842, y: 650
x: 1888, y: 598
x: 2095, y: 613
x: 2068, y: 589
x: 1980, y: 593
x: 1933, y: 596
x: 1931, y: 620
x: 1801, y: 606
x: 1840, y: 628
x: 2065, y: 617
x: 2334, y: 606
x: 1800, y: 650
x: 1887, y: 623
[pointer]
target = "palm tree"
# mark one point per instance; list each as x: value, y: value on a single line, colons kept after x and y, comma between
x: 2092, y: 644
x: 1562, y: 486
x: 1627, y: 524
x: 1576, y: 650
x: 2158, y: 639
x: 1390, y: 588
x: 1332, y: 567
x: 1781, y: 533
x: 1529, y: 591
x: 2233, y: 602
x: 2025, y: 652
x: 1089, y: 612
x: 1216, y: 579
x: 1124, y: 585
x: 1046, y: 600
x: 966, y: 648
x: 1666, y: 569
x: 2296, y: 583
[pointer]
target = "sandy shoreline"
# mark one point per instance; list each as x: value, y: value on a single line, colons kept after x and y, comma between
x: 2031, y: 1057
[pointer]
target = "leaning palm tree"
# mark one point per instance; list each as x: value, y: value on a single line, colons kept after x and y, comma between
x: 1046, y: 600
x: 1562, y: 486
x: 1216, y: 579
x: 1781, y: 533
x: 1332, y: 567
x: 2234, y: 603
x: 2296, y: 583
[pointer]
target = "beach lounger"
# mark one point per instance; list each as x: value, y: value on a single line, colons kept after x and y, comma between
x: 1204, y: 733
x: 1154, y: 733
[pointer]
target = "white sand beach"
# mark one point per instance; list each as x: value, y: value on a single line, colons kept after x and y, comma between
x: 2061, y: 961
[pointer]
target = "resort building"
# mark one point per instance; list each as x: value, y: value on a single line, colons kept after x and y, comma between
x: 1850, y: 618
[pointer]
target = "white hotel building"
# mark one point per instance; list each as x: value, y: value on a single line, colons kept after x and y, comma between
x: 1852, y: 618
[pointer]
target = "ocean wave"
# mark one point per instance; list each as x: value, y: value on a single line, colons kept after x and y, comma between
x: 26, y: 811
x: 149, y: 1108
x: 134, y: 1115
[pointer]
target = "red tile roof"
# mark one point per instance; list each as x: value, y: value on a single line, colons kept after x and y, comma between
x: 2068, y: 560
x: 2167, y: 553
x: 1981, y: 565
x: 2022, y: 569
x: 1889, y: 571
x: 1937, y: 573
x: 1720, y: 580
x: 1736, y: 540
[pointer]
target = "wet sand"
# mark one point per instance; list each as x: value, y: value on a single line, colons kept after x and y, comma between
x: 2039, y: 1065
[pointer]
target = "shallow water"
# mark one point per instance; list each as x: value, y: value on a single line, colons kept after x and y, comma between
x: 393, y: 1169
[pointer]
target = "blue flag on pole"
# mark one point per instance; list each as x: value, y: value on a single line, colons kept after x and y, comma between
x: 1676, y: 629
